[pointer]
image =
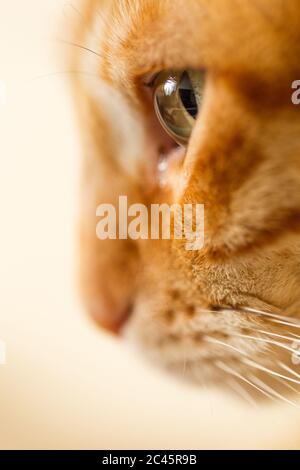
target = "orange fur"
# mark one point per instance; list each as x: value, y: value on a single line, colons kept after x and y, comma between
x: 242, y: 162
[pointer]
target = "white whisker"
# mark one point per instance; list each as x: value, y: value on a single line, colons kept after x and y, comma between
x: 227, y: 345
x: 279, y: 322
x: 266, y: 341
x: 288, y: 338
x: 288, y: 369
x: 269, y: 389
x: 269, y: 314
x: 287, y: 385
x: 295, y: 336
x: 241, y: 391
x: 231, y: 371
x: 252, y: 363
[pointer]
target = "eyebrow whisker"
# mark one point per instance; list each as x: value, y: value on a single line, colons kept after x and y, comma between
x: 70, y: 43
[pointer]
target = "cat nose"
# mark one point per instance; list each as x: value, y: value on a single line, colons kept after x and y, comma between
x: 109, y: 315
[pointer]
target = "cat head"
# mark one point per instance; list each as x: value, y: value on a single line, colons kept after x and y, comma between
x: 205, y: 86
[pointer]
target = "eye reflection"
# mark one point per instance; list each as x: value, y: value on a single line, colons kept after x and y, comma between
x: 177, y: 101
x: 170, y: 86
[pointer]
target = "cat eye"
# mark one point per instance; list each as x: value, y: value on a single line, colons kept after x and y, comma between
x: 178, y: 97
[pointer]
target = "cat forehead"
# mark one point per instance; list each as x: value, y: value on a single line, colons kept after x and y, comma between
x: 141, y: 36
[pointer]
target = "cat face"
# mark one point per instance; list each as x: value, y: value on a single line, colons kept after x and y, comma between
x: 226, y: 313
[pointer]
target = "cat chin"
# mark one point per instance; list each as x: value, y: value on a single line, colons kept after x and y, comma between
x: 177, y: 366
x: 191, y: 357
x: 232, y: 363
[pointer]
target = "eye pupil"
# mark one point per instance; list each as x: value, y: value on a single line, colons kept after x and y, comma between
x: 187, y: 95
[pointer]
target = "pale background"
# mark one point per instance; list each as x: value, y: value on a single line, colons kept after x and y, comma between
x: 66, y: 384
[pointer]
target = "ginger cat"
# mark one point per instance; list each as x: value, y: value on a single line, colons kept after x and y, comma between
x: 215, y: 77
